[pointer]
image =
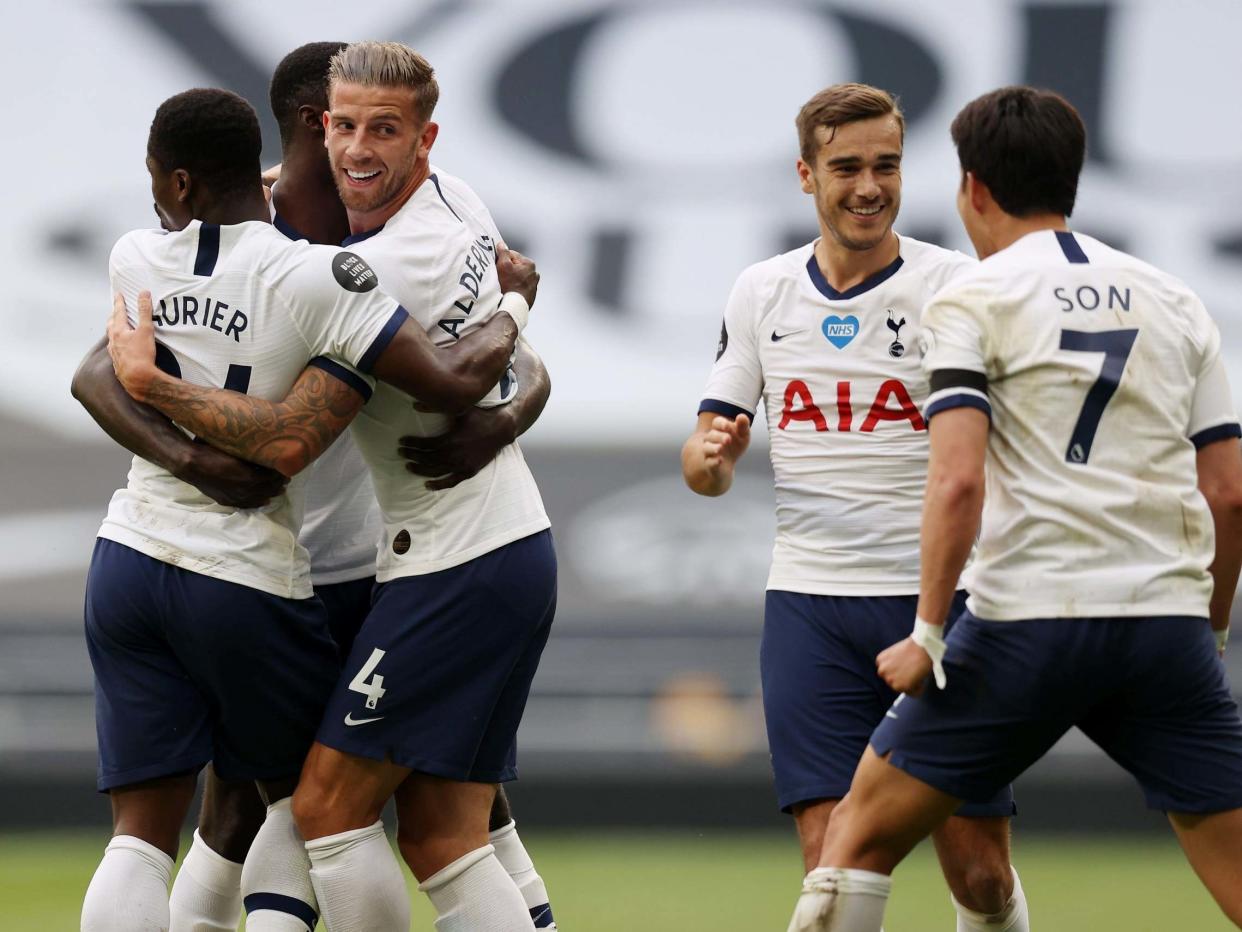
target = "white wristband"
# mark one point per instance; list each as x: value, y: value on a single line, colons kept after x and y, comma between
x: 1222, y: 638
x: 931, y: 639
x: 516, y: 307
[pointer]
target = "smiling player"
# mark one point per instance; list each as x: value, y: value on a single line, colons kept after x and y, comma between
x: 826, y: 337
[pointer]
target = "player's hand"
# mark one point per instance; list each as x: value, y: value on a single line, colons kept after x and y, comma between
x: 132, y: 348
x: 904, y: 667
x: 232, y: 482
x: 472, y: 442
x: 517, y: 273
x: 726, y: 441
x: 271, y: 176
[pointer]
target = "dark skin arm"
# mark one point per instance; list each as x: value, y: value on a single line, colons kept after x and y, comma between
x: 147, y: 433
x: 288, y: 435
x: 479, y: 434
x: 452, y: 378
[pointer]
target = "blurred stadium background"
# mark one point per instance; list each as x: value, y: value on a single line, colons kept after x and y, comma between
x: 643, y: 153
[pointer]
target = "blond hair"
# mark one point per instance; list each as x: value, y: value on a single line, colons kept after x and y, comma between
x: 387, y: 64
x: 840, y: 104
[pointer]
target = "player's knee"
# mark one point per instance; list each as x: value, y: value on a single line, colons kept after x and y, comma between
x: 986, y: 882
x: 311, y: 811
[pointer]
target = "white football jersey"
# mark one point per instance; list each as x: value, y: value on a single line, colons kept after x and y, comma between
x: 1102, y: 375
x: 841, y: 383
x: 341, y: 525
x: 241, y: 307
x: 437, y: 256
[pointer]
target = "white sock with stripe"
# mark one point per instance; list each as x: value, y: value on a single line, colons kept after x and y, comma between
x: 359, y: 882
x: 517, y: 863
x: 275, y: 880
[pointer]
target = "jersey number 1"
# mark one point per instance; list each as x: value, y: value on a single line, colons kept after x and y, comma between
x: 1116, y: 346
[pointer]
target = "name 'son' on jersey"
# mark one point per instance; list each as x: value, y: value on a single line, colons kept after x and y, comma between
x: 892, y: 402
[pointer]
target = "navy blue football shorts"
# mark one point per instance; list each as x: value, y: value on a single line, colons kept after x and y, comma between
x: 347, y: 604
x: 439, y: 674
x: 191, y: 669
x: 822, y: 697
x: 1151, y: 692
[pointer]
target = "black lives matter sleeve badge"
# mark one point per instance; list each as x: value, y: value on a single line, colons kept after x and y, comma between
x: 352, y: 273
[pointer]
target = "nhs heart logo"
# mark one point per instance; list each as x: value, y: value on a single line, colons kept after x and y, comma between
x: 840, y: 331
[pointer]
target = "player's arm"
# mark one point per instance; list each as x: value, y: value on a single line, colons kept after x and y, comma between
x: 147, y: 433
x: 1220, y: 481
x: 451, y: 379
x: 479, y: 434
x: 710, y: 454
x: 952, y: 506
x: 285, y: 436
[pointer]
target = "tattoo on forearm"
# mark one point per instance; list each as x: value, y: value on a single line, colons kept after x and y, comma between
x: 285, y: 435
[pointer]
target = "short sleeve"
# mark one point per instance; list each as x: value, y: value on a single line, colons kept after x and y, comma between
x: 127, y: 274
x: 1212, y: 414
x: 339, y: 309
x: 736, y: 382
x: 954, y: 339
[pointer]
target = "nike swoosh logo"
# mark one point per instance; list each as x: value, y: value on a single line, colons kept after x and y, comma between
x: 890, y: 714
x: 350, y: 720
x: 777, y: 337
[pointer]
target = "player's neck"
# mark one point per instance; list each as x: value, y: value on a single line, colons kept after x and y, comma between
x: 365, y: 222
x: 845, y: 268
x: 238, y: 209
x: 1008, y: 229
x: 306, y: 197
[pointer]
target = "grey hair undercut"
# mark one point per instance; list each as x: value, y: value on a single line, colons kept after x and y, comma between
x: 387, y: 64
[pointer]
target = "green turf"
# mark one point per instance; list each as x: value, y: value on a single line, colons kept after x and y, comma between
x: 686, y: 882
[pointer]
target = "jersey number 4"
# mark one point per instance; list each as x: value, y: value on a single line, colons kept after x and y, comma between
x: 1116, y: 346
x: 373, y: 690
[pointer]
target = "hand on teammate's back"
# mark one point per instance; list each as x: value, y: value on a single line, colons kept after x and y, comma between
x: 471, y: 443
x: 517, y: 273
x: 229, y: 481
x: 132, y: 348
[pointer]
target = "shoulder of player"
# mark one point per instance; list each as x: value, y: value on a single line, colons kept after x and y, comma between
x: 936, y: 265
x: 136, y: 246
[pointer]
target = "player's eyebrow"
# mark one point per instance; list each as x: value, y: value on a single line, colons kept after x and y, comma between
x: 844, y: 161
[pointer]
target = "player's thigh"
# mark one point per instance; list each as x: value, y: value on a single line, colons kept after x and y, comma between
x: 347, y: 605
x: 1011, y: 694
x: 1173, y: 722
x: 268, y: 665
x: 153, y: 810
x: 441, y: 667
x: 821, y: 694
x: 811, y: 819
x: 152, y: 719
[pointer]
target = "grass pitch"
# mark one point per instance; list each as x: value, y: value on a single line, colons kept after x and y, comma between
x: 687, y: 882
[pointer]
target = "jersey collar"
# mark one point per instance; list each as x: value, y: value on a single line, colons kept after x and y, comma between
x: 821, y: 283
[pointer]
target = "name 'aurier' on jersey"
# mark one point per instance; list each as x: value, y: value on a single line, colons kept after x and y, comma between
x: 840, y: 377
x: 240, y: 307
x: 438, y: 252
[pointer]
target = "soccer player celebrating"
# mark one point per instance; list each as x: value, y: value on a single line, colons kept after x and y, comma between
x: 466, y: 575
x: 826, y: 337
x: 341, y: 524
x: 1088, y: 388
x: 204, y: 640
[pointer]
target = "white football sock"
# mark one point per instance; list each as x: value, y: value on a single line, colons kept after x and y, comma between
x: 129, y: 892
x: 840, y: 899
x: 206, y: 896
x: 275, y: 880
x: 474, y: 894
x: 359, y: 882
x: 1013, y: 918
x: 511, y: 854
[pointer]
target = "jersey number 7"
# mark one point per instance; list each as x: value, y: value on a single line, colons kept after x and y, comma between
x: 1116, y: 346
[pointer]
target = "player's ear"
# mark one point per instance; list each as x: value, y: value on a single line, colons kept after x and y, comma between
x: 977, y: 193
x: 181, y: 181
x: 427, y: 138
x: 804, y: 177
x: 312, y: 118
